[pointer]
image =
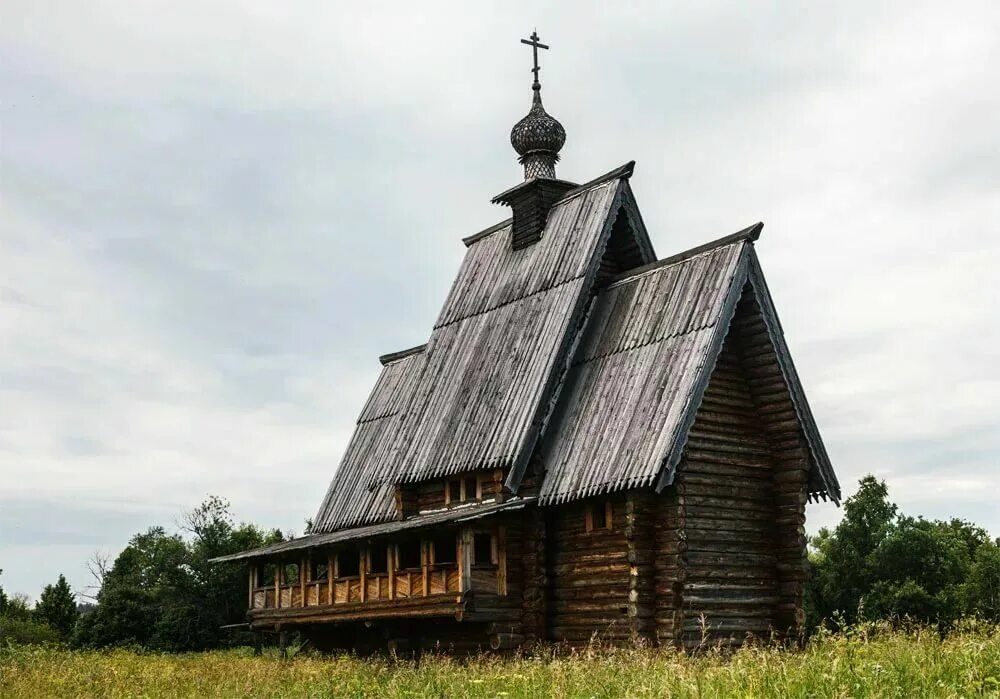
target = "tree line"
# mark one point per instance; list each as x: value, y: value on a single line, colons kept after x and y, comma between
x: 160, y: 593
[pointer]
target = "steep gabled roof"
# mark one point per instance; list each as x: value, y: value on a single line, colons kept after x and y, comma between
x: 645, y: 357
x: 476, y: 394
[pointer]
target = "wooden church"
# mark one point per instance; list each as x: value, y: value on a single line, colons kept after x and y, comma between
x: 592, y: 443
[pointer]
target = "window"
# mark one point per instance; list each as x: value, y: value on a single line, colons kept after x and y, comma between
x: 265, y: 575
x: 378, y: 559
x: 409, y: 555
x: 347, y: 564
x: 445, y: 549
x: 454, y: 493
x: 482, y: 549
x: 290, y: 573
x: 598, y: 515
x: 318, y: 571
x: 471, y: 488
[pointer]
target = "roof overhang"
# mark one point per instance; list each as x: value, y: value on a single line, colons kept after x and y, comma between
x: 452, y: 517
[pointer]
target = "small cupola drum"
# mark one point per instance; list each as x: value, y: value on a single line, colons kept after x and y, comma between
x: 537, y: 138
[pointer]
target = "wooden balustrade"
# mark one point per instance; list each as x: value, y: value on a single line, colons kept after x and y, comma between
x: 400, y: 584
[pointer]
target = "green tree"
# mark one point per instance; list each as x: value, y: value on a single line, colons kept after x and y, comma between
x: 57, y: 607
x: 843, y: 565
x: 983, y: 588
x: 877, y: 564
x: 3, y: 598
x: 162, y: 593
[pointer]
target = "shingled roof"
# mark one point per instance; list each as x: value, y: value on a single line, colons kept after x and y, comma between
x: 475, y: 395
x: 534, y: 342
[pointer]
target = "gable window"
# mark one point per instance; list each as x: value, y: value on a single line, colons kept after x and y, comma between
x: 464, y: 489
x: 348, y: 564
x: 378, y: 559
x: 318, y: 571
x: 471, y: 488
x: 482, y: 549
x: 444, y: 548
x: 598, y: 515
x: 409, y: 555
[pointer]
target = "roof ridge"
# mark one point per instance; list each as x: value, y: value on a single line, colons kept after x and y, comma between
x: 619, y: 173
x: 401, y: 354
x: 750, y: 233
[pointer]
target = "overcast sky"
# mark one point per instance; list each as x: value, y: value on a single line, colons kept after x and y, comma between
x: 216, y: 215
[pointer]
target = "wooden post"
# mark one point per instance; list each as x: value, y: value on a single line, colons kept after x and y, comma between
x: 425, y: 568
x: 253, y: 580
x: 465, y: 560
x: 364, y: 571
x: 498, y: 484
x: 277, y: 585
x: 391, y: 566
x: 283, y: 643
x: 258, y: 643
x: 303, y: 562
x: 330, y: 576
x: 500, y: 557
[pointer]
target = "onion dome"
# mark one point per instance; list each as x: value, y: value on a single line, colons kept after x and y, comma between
x: 537, y: 138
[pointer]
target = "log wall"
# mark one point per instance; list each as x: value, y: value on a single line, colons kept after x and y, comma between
x: 589, y: 575
x: 790, y: 460
x: 740, y: 494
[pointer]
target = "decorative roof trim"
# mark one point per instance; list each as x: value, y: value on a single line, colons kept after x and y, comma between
x: 401, y: 354
x: 679, y: 440
x: 821, y: 460
x: 749, y: 271
x: 750, y: 233
x: 475, y: 237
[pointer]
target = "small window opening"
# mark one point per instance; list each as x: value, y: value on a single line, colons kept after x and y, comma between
x: 318, y: 570
x: 482, y: 549
x: 471, y: 488
x: 378, y: 559
x: 445, y: 549
x: 290, y: 573
x: 409, y: 554
x: 598, y: 515
x: 265, y: 575
x: 454, y: 491
x: 348, y: 564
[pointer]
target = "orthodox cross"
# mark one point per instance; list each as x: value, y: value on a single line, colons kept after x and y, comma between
x: 535, y: 45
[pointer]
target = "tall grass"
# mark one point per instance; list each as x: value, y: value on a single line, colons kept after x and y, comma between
x: 862, y: 662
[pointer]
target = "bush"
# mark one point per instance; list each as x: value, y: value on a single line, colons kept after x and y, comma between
x: 25, y: 632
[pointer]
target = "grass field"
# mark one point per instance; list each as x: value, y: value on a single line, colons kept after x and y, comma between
x: 875, y: 664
